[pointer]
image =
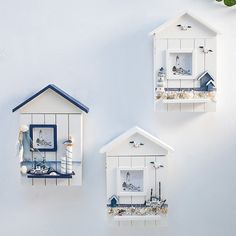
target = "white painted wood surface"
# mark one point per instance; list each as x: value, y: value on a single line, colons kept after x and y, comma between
x: 186, y: 100
x: 136, y: 158
x: 49, y: 102
x: 199, y: 28
x: 114, y: 163
x: 136, y: 218
x: 125, y: 148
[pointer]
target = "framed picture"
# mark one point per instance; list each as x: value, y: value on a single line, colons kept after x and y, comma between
x: 131, y: 182
x: 180, y: 64
x: 43, y: 137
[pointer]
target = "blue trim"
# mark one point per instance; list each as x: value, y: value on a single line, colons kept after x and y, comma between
x: 48, y: 176
x: 133, y: 205
x: 54, y: 127
x: 49, y: 162
x: 201, y: 89
x: 58, y: 91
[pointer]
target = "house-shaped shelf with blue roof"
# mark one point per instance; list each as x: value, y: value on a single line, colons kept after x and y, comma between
x: 51, y: 138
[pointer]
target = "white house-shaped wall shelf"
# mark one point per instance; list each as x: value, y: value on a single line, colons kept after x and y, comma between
x: 185, y: 50
x: 50, y: 146
x: 136, y: 164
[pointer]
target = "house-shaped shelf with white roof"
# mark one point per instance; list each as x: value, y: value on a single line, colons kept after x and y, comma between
x: 136, y: 164
x: 50, y: 146
x: 185, y: 48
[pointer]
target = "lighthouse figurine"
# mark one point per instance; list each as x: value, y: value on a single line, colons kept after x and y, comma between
x: 66, y: 161
x: 160, y: 83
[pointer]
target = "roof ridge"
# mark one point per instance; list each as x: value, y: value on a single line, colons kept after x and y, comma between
x: 131, y: 132
x: 57, y: 90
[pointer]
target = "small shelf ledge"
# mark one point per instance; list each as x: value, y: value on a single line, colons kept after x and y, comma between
x: 137, y: 218
x: 198, y: 100
x: 48, y: 176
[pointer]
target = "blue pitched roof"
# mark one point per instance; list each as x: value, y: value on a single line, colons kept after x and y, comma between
x: 58, y: 91
x: 206, y: 74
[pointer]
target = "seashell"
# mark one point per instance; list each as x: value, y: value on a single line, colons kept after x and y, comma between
x: 24, y: 128
x: 53, y: 173
x: 191, y: 94
x: 142, y: 211
x: 121, y: 212
x: 132, y: 209
x: 110, y: 211
x: 23, y: 170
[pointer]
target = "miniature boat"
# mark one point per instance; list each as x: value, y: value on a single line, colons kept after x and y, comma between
x: 155, y: 202
x: 42, y: 171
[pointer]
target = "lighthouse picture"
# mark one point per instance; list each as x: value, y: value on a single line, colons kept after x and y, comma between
x: 44, y: 137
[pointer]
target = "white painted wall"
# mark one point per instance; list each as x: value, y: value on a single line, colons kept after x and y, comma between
x: 100, y: 52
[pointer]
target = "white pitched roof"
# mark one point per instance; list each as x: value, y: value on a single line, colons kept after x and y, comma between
x: 172, y: 21
x: 131, y: 132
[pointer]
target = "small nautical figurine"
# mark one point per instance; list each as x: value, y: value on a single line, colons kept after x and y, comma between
x: 23, y: 170
x: 160, y: 84
x: 205, y: 50
x: 66, y: 161
x: 23, y: 129
x: 121, y: 212
x: 156, y: 201
x: 161, y: 73
x: 114, y: 201
x: 136, y: 144
x: 184, y: 27
x: 156, y: 165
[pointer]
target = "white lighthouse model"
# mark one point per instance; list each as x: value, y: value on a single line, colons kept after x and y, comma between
x: 66, y: 161
x: 160, y: 82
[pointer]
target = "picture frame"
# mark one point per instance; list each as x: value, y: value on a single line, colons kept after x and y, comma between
x: 186, y: 68
x: 43, y: 137
x: 131, y: 181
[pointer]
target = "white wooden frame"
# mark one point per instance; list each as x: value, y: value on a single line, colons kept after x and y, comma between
x: 170, y: 76
x: 122, y: 193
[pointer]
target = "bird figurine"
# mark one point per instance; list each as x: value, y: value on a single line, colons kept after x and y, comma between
x: 136, y: 144
x: 184, y: 27
x: 205, y: 50
x: 156, y: 165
